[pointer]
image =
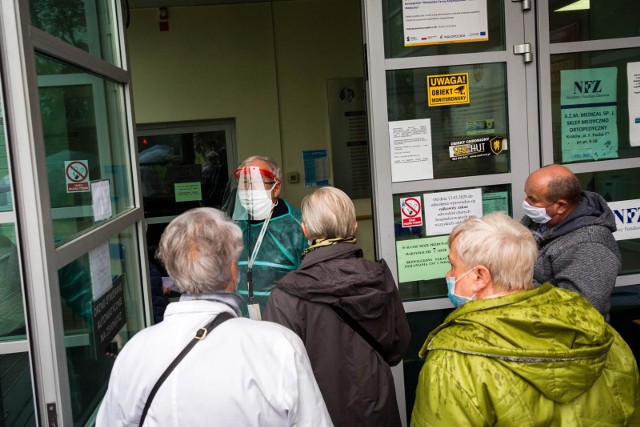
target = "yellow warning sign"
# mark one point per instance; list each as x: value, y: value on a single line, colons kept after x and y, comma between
x: 448, y: 89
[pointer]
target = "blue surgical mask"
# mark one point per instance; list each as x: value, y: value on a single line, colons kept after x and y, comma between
x: 537, y: 214
x: 457, y: 300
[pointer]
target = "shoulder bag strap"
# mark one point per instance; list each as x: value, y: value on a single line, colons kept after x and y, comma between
x: 200, y: 335
x: 359, y: 329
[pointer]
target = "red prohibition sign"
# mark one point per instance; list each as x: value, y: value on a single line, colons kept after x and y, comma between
x: 77, y: 171
x: 411, y: 207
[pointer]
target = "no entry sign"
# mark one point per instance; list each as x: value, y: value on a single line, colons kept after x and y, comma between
x: 411, y: 211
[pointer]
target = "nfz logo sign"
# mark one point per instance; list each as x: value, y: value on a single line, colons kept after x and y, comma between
x: 627, y: 214
x: 587, y: 86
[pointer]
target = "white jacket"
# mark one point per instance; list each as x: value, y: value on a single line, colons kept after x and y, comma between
x: 244, y: 373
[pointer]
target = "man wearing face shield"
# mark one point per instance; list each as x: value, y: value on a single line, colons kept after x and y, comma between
x: 272, y: 234
x: 574, y: 231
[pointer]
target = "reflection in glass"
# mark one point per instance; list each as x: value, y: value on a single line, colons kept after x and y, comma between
x: 83, y: 120
x: 86, y: 24
x: 573, y: 20
x: 576, y: 123
x: 394, y: 34
x: 6, y: 199
x: 485, y: 116
x: 422, y: 255
x: 12, y: 322
x: 615, y: 186
x: 16, y: 403
x: 89, y: 367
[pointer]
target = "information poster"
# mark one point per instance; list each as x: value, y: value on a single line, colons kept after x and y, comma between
x: 101, y: 199
x: 627, y: 216
x: 588, y: 102
x: 109, y: 316
x: 100, y: 267
x: 349, y: 137
x: 436, y: 21
x: 316, y: 168
x: 446, y: 209
x: 633, y: 95
x: 411, y: 150
x: 422, y: 259
x: 188, y: 191
x: 495, y: 202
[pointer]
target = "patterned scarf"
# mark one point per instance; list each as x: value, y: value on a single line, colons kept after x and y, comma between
x: 319, y: 243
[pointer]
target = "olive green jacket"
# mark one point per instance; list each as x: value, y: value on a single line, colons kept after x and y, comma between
x: 543, y: 357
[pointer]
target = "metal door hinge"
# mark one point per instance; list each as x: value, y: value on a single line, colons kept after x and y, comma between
x: 524, y: 50
x: 526, y: 4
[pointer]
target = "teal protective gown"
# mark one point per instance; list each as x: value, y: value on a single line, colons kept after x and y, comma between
x: 544, y: 357
x: 279, y: 253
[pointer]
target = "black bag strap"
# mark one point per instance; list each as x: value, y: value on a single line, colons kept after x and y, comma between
x: 359, y: 329
x: 200, y: 335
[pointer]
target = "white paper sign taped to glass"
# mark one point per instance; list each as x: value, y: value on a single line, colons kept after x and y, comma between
x: 438, y: 22
x: 448, y: 89
x: 411, y: 150
x: 627, y: 216
x: 633, y: 96
x: 411, y: 211
x: 588, y: 103
x: 446, y: 209
x: 477, y: 147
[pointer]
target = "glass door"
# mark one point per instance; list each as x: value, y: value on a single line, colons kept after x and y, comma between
x: 453, y: 106
x: 76, y: 197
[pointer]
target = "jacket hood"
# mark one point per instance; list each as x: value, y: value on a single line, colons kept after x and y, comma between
x: 552, y: 338
x: 592, y: 210
x: 338, y: 275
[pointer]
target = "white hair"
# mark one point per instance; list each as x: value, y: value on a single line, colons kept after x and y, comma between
x: 199, y: 248
x: 506, y: 247
x: 273, y: 166
x: 328, y: 213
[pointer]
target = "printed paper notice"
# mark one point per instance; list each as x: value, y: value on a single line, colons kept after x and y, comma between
x: 188, y: 191
x: 100, y: 265
x: 411, y: 157
x: 101, y: 199
x: 437, y: 22
x: 588, y: 103
x: 422, y: 259
x: 633, y: 84
x: 627, y: 216
x: 445, y: 210
x: 495, y: 202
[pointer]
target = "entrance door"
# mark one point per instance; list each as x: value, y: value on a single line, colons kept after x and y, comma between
x: 74, y: 183
x: 460, y: 95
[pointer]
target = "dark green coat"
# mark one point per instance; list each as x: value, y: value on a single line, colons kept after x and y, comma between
x: 543, y: 357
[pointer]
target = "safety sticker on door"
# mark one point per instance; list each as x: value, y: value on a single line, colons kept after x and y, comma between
x: 77, y: 176
x: 448, y: 89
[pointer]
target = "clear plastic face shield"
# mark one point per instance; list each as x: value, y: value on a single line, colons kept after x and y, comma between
x: 253, y: 193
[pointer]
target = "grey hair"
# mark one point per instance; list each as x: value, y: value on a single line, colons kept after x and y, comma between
x: 199, y: 248
x: 506, y: 247
x: 328, y: 213
x: 273, y: 166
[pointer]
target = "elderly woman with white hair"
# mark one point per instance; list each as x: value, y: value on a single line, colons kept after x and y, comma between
x: 513, y: 355
x: 347, y: 311
x: 240, y: 373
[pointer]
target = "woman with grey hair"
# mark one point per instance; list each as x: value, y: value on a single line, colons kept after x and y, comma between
x: 347, y: 311
x: 516, y: 355
x: 241, y: 372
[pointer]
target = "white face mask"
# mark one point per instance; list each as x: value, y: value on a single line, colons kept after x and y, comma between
x: 258, y: 203
x: 537, y: 215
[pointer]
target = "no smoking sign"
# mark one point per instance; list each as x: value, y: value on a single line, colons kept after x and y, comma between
x: 77, y: 176
x: 411, y: 211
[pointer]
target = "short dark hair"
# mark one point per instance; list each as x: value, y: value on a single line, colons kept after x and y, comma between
x: 564, y: 187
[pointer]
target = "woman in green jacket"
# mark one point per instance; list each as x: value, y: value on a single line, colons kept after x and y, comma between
x: 511, y: 355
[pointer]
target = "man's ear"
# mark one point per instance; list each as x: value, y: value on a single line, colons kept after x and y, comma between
x: 276, y: 190
x: 562, y: 204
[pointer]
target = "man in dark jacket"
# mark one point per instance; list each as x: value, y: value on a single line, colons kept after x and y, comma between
x: 332, y: 282
x: 574, y: 230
